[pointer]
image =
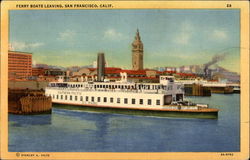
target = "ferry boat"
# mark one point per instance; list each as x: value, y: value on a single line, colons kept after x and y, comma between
x: 164, y: 99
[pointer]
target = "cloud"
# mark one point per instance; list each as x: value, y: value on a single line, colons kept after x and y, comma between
x: 67, y: 35
x: 219, y: 34
x: 183, y: 38
x: 184, y: 34
x: 113, y: 34
x: 186, y: 27
x: 23, y: 45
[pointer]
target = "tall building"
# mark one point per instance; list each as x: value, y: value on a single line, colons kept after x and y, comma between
x: 19, y: 65
x: 100, y: 67
x: 137, y: 53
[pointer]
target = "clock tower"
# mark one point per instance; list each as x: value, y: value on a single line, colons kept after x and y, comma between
x: 137, y: 52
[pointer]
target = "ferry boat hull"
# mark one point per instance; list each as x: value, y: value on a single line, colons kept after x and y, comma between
x: 209, y: 113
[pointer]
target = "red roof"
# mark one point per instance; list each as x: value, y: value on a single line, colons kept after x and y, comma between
x: 134, y: 77
x: 139, y: 72
x: 92, y: 69
x: 186, y: 74
x: 108, y: 69
x: 115, y: 70
x: 169, y: 71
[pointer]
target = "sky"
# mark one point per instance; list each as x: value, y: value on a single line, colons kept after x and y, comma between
x: 171, y: 37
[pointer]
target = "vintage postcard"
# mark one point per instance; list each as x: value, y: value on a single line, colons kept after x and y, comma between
x: 125, y: 80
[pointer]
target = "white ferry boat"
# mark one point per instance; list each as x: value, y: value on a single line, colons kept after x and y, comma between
x: 151, y: 99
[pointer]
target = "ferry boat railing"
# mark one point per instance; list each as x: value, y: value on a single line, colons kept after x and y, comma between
x: 156, y: 91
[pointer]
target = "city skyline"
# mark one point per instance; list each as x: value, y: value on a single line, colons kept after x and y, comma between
x: 170, y: 37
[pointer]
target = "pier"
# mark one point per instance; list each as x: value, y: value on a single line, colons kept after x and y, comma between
x: 28, y: 102
x: 223, y: 88
x: 196, y: 90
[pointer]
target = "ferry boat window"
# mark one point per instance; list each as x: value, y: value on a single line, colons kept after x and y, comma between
x: 81, y: 98
x: 70, y: 98
x: 158, y: 102
x: 111, y: 100
x: 92, y: 99
x: 105, y: 99
x: 53, y: 96
x: 141, y: 101
x: 178, y: 86
x: 125, y: 101
x: 133, y: 101
x: 61, y: 96
x: 149, y: 101
x: 139, y: 86
x: 66, y: 97
x: 87, y: 98
x: 75, y: 98
x: 170, y: 87
x: 118, y: 100
x: 81, y: 85
x: 100, y: 86
x: 98, y: 99
x: 56, y: 96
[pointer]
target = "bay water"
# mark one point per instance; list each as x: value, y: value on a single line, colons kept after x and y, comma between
x: 80, y: 131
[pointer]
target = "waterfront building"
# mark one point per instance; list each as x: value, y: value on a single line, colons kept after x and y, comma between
x: 45, y: 66
x: 170, y: 69
x: 19, y: 65
x: 113, y: 73
x: 137, y: 52
x: 54, y: 72
x: 38, y: 71
x: 185, y: 76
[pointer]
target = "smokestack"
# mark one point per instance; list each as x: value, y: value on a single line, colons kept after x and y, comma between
x: 214, y: 60
x: 100, y: 67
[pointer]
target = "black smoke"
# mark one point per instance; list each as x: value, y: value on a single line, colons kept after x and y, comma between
x: 215, y: 59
